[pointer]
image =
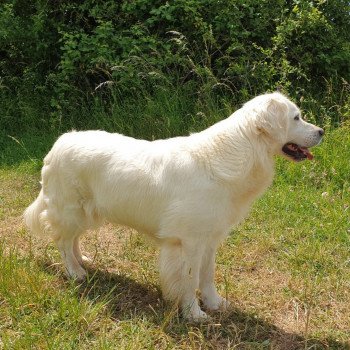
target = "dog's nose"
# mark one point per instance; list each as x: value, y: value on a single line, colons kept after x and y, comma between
x: 321, y: 131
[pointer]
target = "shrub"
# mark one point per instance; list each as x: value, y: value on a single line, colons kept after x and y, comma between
x: 60, y: 54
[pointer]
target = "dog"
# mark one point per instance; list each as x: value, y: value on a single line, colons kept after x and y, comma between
x: 185, y: 192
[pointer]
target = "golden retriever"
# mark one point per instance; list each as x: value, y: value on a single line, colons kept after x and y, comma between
x: 186, y: 192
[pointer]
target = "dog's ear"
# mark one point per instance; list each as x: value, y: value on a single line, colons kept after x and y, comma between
x: 271, y: 119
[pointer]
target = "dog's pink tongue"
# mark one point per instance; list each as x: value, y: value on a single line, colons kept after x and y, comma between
x: 308, y: 154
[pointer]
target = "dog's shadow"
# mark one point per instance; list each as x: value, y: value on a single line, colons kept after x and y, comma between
x: 127, y: 299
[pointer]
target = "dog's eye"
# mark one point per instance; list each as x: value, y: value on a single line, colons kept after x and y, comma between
x: 296, y: 117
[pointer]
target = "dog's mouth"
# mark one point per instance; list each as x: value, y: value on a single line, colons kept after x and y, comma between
x: 296, y: 152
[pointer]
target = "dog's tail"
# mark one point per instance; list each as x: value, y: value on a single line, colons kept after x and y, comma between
x: 33, y: 215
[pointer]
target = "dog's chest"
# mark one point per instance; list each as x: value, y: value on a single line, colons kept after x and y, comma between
x: 257, y: 181
x: 248, y: 189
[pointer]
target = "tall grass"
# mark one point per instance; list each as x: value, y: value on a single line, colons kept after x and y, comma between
x: 166, y: 113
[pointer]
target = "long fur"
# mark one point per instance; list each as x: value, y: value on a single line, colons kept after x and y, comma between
x: 185, y: 192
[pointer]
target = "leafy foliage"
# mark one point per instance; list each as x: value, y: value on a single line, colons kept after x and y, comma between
x: 58, y: 55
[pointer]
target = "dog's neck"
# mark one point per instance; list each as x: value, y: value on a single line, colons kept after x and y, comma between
x: 233, y: 152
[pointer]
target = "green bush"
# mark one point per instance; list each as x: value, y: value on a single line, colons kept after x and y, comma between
x: 60, y: 55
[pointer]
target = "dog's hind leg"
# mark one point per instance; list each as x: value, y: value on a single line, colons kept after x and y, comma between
x: 179, y: 273
x: 66, y: 225
x: 77, y: 252
x: 65, y: 243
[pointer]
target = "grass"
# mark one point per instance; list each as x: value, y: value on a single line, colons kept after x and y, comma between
x: 286, y: 269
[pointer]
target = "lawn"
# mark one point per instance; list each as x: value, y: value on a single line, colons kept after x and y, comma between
x: 286, y: 269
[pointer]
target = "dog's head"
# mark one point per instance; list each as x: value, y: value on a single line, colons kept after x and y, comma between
x: 279, y: 121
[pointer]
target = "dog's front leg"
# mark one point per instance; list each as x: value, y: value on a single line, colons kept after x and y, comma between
x: 210, y: 297
x: 179, y: 272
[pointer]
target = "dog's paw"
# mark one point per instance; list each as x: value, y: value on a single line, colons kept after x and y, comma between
x: 198, y: 317
x: 217, y: 303
x: 194, y: 313
x: 78, y: 274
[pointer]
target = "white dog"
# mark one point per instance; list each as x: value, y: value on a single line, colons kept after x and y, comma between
x: 186, y: 192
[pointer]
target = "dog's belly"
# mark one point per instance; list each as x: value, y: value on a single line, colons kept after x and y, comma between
x: 131, y: 207
x: 134, y: 219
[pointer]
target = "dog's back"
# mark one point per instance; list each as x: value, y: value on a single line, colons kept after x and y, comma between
x: 94, y: 175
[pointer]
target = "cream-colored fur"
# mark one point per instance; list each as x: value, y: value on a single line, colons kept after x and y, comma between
x: 186, y: 192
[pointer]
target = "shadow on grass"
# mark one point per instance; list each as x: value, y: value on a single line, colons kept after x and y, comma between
x: 127, y: 299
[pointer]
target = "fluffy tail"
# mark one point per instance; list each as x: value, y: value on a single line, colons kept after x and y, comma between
x: 33, y: 214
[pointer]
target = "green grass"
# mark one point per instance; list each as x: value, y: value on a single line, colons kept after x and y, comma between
x: 286, y: 269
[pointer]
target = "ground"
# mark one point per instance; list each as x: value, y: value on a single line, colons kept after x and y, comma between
x: 286, y: 271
